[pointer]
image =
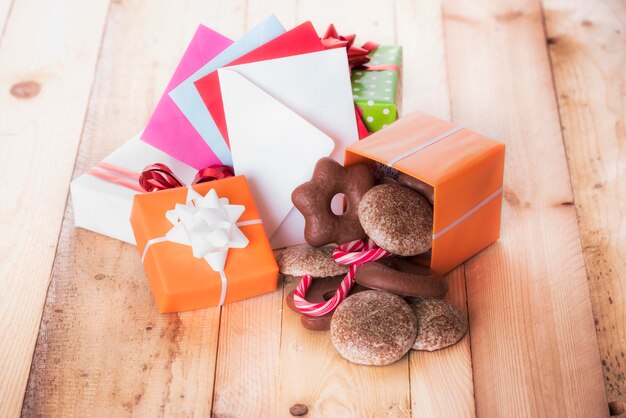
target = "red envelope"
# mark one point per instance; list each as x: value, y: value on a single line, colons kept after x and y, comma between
x: 360, y: 125
x: 300, y: 40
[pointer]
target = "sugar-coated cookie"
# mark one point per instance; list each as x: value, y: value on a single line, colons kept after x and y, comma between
x: 373, y: 328
x: 439, y: 323
x: 398, y: 219
x: 304, y: 259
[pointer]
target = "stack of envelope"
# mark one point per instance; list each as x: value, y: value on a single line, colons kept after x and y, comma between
x: 269, y: 105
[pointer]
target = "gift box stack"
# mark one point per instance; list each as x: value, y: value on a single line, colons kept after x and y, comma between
x: 235, y: 178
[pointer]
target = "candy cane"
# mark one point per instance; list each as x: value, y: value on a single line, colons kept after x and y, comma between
x: 353, y: 253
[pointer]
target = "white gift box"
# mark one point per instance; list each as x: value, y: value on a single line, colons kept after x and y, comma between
x: 103, y: 206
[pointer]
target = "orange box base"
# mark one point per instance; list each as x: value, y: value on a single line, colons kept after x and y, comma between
x: 181, y: 282
x: 465, y: 170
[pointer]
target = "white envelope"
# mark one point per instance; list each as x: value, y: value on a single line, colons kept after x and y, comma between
x: 104, y: 207
x: 280, y: 115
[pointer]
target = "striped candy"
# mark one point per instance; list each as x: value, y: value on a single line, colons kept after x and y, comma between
x: 353, y: 253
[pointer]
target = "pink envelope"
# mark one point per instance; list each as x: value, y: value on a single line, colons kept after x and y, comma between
x: 168, y: 125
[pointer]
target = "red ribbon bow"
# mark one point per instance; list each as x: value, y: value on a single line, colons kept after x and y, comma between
x: 353, y: 253
x: 357, y: 56
x: 160, y: 177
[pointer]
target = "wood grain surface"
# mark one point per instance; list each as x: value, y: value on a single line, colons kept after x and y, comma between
x: 80, y: 335
x: 45, y: 77
x: 588, y: 50
x: 532, y: 329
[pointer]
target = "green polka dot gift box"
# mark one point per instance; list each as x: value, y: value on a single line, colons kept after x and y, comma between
x: 376, y: 87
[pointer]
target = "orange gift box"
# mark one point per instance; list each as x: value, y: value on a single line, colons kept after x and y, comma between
x: 465, y: 170
x: 182, y: 282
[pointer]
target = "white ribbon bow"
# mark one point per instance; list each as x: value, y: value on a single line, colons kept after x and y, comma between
x: 209, y: 225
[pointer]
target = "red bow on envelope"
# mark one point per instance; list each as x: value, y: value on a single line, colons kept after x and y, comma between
x: 357, y: 56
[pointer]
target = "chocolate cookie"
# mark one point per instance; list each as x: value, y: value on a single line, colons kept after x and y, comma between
x: 314, y: 197
x: 373, y: 328
x: 419, y: 186
x: 321, y: 290
x: 386, y: 180
x: 304, y: 259
x: 398, y: 219
x: 439, y: 323
x: 401, y: 277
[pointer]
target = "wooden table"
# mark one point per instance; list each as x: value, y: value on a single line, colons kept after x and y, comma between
x: 80, y: 335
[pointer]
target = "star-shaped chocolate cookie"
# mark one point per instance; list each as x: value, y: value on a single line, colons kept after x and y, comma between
x: 313, y: 200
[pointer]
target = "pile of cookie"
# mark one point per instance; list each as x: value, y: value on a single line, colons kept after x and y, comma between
x: 394, y: 305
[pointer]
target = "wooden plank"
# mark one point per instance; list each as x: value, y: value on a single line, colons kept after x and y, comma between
x: 588, y: 50
x: 247, y: 369
x: 5, y: 11
x: 441, y: 382
x: 247, y: 366
x: 419, y: 29
x: 534, y: 348
x: 311, y: 371
x: 46, y: 77
x: 104, y: 349
x: 368, y: 20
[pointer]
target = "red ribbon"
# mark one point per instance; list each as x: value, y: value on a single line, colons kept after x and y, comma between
x: 214, y: 172
x: 160, y: 177
x: 357, y: 56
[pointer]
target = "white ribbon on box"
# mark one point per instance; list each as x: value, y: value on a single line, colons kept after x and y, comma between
x: 209, y: 226
x: 427, y: 144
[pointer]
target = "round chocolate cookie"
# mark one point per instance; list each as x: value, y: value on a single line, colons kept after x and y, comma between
x: 373, y: 328
x: 398, y: 219
x: 386, y: 180
x: 401, y: 277
x: 419, y: 186
x: 439, y: 323
x: 304, y: 259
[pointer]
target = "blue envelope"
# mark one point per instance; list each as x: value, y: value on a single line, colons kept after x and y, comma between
x: 191, y: 104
